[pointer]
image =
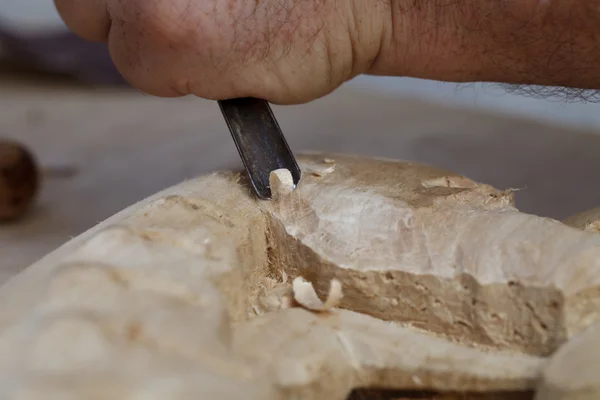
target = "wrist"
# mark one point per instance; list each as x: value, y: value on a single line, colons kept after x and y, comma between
x: 545, y: 42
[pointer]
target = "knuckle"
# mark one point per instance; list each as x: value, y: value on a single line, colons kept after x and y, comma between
x: 176, y: 22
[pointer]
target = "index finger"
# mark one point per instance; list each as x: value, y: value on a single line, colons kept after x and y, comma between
x: 87, y: 18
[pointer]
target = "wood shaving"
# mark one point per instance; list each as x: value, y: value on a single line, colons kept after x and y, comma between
x: 318, y: 172
x: 324, y: 171
x: 281, y: 182
x: 305, y: 295
x: 273, y: 295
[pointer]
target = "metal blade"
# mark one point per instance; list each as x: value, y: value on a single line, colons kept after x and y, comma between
x: 259, y: 141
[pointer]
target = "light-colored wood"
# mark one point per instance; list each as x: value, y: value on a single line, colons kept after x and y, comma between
x: 190, y: 294
x: 573, y: 372
x: 588, y: 220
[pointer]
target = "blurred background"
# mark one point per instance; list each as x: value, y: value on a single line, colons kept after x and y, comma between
x: 102, y: 146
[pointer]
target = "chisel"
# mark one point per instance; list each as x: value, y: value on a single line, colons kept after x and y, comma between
x: 259, y: 141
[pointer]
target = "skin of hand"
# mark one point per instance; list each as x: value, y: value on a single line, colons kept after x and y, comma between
x: 294, y: 51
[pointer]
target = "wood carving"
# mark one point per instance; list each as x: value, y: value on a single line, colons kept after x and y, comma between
x: 588, y: 220
x: 371, y: 274
x: 573, y: 372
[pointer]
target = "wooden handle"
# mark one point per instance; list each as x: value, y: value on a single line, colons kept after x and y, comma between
x: 19, y: 180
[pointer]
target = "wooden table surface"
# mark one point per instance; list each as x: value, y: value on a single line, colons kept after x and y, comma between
x: 124, y: 146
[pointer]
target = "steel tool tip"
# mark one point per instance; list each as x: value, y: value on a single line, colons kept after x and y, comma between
x: 259, y: 141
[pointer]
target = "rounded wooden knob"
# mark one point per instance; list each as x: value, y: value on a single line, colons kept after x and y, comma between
x: 19, y: 180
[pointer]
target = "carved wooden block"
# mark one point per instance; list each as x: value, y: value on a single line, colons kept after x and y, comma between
x: 371, y: 274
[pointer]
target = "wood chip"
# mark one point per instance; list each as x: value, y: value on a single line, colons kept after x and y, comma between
x: 304, y: 294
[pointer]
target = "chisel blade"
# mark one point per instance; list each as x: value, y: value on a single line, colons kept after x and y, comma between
x: 259, y: 141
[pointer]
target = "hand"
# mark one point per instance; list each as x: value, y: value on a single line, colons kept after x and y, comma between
x: 293, y: 51
x: 287, y: 51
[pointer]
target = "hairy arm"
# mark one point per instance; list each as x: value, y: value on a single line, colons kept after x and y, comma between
x: 292, y: 51
x: 541, y: 42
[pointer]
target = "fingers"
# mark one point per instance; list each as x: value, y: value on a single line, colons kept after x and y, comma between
x: 285, y: 51
x: 87, y: 18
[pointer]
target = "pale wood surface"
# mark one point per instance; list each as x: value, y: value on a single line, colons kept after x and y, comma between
x: 126, y: 146
x: 188, y: 294
x: 201, y: 291
x: 573, y: 372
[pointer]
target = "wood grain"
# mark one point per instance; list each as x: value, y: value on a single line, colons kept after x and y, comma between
x: 188, y: 293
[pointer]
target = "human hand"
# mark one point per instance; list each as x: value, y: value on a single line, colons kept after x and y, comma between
x: 283, y: 51
x: 293, y: 51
